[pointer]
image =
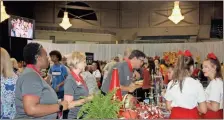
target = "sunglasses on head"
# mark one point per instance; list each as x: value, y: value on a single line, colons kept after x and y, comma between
x: 38, y: 50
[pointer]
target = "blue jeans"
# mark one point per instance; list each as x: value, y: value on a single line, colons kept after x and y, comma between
x: 60, y: 94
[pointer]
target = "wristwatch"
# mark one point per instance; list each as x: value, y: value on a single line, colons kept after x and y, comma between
x: 60, y: 107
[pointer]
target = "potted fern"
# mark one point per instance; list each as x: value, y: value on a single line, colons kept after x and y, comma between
x: 101, y: 107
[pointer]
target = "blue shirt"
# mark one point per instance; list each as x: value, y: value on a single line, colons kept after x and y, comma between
x: 8, y: 87
x: 59, y: 73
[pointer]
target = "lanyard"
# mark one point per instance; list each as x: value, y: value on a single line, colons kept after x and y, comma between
x: 79, y: 79
x: 129, y: 65
x: 34, y: 68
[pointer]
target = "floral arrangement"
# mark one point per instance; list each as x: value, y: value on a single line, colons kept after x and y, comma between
x: 198, y: 59
x: 170, y: 57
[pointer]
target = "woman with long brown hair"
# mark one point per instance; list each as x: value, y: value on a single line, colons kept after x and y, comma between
x: 185, y: 96
x: 214, y: 91
x: 8, y: 87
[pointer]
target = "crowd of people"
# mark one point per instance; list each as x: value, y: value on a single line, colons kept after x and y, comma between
x: 53, y: 87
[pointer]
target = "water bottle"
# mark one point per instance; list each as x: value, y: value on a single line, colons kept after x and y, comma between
x: 146, y: 99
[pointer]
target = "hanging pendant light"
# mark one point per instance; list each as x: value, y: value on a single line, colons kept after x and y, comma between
x: 4, y: 15
x: 65, y: 21
x: 176, y: 15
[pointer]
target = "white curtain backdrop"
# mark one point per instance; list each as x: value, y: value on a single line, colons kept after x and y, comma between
x: 107, y: 51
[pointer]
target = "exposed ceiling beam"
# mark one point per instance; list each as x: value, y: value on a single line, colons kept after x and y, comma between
x: 87, y: 14
x: 84, y: 8
x: 157, y: 41
x: 78, y: 17
x: 76, y: 7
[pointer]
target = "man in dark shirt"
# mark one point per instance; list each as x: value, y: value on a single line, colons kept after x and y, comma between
x: 125, y: 70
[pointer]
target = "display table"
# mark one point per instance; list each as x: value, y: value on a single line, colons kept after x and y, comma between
x: 144, y: 111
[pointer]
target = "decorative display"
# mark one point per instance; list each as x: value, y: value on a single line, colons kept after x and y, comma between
x: 198, y: 59
x: 113, y: 105
x: 171, y: 56
x: 146, y: 111
x: 129, y: 101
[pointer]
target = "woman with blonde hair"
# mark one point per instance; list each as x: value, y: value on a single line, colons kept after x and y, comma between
x: 185, y: 96
x: 75, y: 86
x: 14, y: 65
x: 8, y: 86
x: 214, y: 91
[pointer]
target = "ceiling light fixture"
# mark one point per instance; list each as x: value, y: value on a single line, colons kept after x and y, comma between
x: 176, y: 15
x: 65, y: 21
x: 4, y: 15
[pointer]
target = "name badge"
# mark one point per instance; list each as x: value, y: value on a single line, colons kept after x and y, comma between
x: 78, y: 83
x: 56, y: 73
x: 128, y: 78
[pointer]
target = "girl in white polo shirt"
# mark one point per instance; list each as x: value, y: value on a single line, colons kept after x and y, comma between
x: 214, y: 91
x: 185, y: 96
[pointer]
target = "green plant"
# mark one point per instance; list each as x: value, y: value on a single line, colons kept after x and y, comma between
x: 101, y: 107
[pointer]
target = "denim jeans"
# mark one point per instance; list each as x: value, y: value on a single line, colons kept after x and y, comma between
x: 60, y: 94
